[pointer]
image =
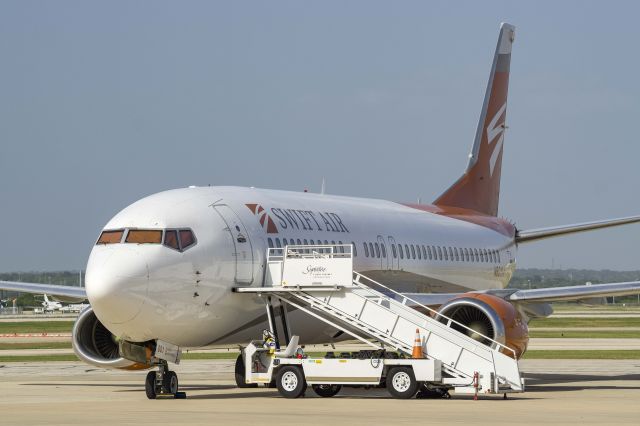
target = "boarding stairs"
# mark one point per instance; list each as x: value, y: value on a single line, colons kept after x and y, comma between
x: 320, y: 281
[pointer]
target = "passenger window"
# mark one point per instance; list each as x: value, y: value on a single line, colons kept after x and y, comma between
x: 419, y: 254
x: 305, y: 242
x: 110, y: 237
x: 499, y: 260
x: 439, y: 253
x: 140, y: 236
x: 270, y: 242
x: 377, y: 250
x: 353, y: 246
x: 384, y: 250
x: 406, y: 251
x: 373, y: 253
x: 455, y: 250
x: 278, y: 243
x: 393, y: 250
x: 366, y: 249
x: 446, y: 255
x: 299, y: 242
x: 413, y: 252
x: 424, y: 252
x: 429, y: 252
x: 451, y: 254
x: 400, y: 251
x: 326, y: 243
x: 171, y: 239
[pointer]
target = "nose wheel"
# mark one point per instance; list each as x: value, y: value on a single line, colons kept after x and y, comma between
x: 162, y: 383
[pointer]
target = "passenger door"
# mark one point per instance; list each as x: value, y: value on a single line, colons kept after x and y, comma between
x: 242, y: 248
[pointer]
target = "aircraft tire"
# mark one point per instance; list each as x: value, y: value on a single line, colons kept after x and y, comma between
x: 150, y: 385
x: 326, y: 391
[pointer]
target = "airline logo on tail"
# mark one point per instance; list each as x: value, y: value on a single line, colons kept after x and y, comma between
x: 263, y: 217
x: 493, y: 130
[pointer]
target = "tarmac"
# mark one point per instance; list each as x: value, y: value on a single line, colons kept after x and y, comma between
x: 72, y: 393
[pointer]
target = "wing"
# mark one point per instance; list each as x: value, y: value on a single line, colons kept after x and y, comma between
x: 540, y: 295
x: 76, y: 293
x: 578, y: 292
x: 523, y: 236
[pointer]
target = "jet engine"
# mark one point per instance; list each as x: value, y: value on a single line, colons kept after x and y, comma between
x: 95, y: 345
x: 489, y: 316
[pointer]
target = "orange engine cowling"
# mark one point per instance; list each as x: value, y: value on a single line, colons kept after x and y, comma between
x: 95, y: 345
x: 490, y: 316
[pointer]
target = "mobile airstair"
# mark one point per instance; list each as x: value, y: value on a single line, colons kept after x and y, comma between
x: 320, y: 281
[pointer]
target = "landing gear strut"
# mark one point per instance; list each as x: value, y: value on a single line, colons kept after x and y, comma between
x: 163, y: 382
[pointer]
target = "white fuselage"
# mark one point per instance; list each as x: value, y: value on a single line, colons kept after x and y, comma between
x: 150, y: 291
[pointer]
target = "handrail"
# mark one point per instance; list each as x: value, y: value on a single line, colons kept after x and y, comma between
x: 341, y: 251
x: 450, y: 320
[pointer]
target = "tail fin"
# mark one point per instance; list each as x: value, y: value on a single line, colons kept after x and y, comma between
x: 479, y: 187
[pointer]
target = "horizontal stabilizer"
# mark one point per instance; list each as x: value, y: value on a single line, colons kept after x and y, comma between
x: 523, y: 236
x: 77, y: 293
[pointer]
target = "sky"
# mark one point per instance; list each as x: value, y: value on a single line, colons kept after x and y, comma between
x: 103, y: 103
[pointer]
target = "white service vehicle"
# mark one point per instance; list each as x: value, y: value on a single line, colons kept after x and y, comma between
x: 293, y: 371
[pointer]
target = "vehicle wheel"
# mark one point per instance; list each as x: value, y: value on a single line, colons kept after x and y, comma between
x: 150, y: 385
x: 290, y: 382
x: 170, y: 383
x: 326, y: 391
x: 401, y: 383
x: 240, y: 374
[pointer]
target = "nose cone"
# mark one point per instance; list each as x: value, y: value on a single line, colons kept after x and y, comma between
x: 116, y: 282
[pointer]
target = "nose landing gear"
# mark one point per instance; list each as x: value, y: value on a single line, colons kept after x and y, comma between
x: 162, y: 383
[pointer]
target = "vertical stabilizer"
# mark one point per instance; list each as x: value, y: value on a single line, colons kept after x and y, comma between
x: 479, y: 187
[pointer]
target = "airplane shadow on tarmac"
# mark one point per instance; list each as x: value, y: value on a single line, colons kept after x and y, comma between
x: 550, y: 382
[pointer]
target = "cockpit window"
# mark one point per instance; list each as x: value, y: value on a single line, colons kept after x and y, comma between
x: 171, y: 239
x: 186, y: 239
x: 110, y: 237
x: 140, y: 236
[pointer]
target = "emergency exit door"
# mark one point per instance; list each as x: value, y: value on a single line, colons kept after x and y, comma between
x: 242, y: 248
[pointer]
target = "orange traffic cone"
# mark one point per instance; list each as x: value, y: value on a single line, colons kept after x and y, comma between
x: 417, y: 346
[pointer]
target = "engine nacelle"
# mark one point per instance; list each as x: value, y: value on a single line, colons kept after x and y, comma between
x: 95, y: 345
x: 490, y: 316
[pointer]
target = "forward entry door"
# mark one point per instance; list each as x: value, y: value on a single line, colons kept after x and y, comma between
x: 242, y: 248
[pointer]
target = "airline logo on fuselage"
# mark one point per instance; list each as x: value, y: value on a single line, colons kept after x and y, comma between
x: 304, y: 220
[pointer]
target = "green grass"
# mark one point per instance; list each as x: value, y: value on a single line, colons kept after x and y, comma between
x: 583, y: 354
x: 585, y: 334
x: 589, y: 322
x: 38, y: 358
x: 36, y: 327
x: 35, y: 345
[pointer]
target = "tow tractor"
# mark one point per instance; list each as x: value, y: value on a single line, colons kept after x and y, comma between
x: 293, y: 371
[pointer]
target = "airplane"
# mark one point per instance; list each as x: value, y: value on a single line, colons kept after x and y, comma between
x: 163, y: 268
x: 50, y: 305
